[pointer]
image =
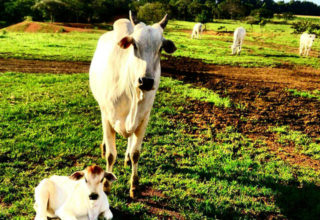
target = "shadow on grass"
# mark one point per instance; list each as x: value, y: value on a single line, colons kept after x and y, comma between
x: 295, y: 200
x: 281, y: 55
x: 119, y: 215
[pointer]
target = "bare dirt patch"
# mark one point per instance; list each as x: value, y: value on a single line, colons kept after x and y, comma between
x: 263, y: 101
x: 40, y: 66
x: 42, y: 27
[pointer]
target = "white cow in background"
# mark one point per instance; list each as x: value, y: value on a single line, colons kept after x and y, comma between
x: 306, y: 41
x: 124, y: 77
x: 238, y: 38
x: 197, y: 30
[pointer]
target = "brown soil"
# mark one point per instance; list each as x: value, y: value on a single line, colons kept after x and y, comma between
x: 262, y: 91
x: 40, y: 66
x: 36, y: 27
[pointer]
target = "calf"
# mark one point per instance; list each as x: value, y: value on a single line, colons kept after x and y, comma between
x: 79, y: 196
x: 238, y: 38
x: 197, y: 30
x: 306, y: 41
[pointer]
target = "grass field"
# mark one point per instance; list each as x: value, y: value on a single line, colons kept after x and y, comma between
x: 273, y: 45
x: 50, y: 124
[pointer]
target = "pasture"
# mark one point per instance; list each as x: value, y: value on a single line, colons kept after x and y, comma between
x: 230, y: 137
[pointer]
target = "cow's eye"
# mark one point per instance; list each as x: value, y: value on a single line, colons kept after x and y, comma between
x: 86, y: 180
x: 101, y: 180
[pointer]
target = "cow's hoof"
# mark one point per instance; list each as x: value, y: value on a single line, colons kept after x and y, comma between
x: 134, y: 190
x: 134, y: 193
x: 103, y: 151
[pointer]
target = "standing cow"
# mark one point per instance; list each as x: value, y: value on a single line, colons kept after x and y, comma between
x: 197, y: 30
x: 306, y: 41
x: 238, y: 38
x: 124, y: 77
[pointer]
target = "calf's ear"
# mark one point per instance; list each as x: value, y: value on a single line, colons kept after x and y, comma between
x: 168, y: 46
x: 125, y: 42
x: 77, y: 175
x: 110, y: 176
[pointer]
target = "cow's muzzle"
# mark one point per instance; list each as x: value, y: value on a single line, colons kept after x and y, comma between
x: 146, y: 83
x: 93, y: 196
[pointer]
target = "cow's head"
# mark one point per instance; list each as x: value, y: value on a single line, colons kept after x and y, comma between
x: 147, y: 42
x: 312, y: 37
x: 92, y: 178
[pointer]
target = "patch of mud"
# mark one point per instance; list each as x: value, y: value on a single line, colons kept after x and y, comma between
x: 41, y: 66
x: 262, y: 99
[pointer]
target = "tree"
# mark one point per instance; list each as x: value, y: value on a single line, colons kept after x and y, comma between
x: 50, y: 7
x: 152, y: 12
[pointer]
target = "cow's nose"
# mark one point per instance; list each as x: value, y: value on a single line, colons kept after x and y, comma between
x: 146, y: 83
x: 93, y: 196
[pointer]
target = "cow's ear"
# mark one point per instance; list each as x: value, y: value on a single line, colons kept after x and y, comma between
x: 77, y: 175
x: 110, y: 176
x: 125, y: 42
x: 168, y: 46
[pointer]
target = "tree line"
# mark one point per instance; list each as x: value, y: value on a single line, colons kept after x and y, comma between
x: 89, y: 11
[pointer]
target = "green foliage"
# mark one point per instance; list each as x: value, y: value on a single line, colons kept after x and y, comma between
x: 152, y: 12
x: 306, y: 26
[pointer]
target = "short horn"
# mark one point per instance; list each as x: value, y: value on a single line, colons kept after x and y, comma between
x: 163, y: 23
x: 131, y: 20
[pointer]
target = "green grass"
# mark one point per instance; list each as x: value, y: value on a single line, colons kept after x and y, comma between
x: 306, y: 94
x: 303, y: 143
x: 50, y: 124
x: 272, y: 45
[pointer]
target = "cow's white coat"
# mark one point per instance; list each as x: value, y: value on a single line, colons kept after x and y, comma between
x: 238, y: 38
x: 306, y: 41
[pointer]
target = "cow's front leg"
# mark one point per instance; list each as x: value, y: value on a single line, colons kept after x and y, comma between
x: 109, y: 141
x: 136, y: 140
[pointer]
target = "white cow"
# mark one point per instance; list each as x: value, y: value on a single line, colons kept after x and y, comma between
x: 124, y: 77
x: 306, y: 41
x: 197, y: 30
x: 79, y: 196
x: 238, y: 38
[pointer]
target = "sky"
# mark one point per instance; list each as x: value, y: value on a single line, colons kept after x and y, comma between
x: 314, y: 1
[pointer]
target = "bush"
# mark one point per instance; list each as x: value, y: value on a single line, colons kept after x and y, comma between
x: 306, y: 26
x: 152, y: 12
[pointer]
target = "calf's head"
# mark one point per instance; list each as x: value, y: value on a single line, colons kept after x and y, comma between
x: 145, y: 44
x: 93, y: 177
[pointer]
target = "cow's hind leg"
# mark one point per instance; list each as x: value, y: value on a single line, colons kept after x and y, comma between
x: 136, y: 141
x: 109, y: 146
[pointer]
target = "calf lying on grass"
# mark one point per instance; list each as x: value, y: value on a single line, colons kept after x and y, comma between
x: 79, y: 196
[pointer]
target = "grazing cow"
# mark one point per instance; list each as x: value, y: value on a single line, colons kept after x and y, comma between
x: 124, y: 77
x: 79, y: 196
x: 197, y: 30
x: 238, y: 38
x: 306, y: 41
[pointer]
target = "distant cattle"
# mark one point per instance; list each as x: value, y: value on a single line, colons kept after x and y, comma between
x: 79, y: 196
x: 306, y: 41
x: 238, y: 38
x: 124, y: 77
x: 197, y: 30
